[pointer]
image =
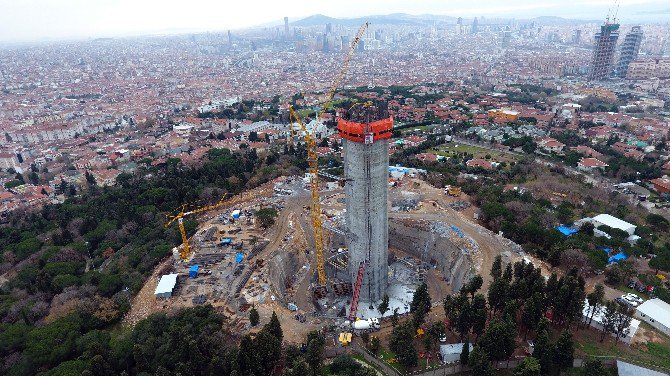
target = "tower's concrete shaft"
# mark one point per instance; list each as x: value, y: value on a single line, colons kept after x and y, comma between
x: 366, y: 163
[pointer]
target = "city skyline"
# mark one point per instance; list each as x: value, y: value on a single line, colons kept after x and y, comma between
x: 40, y: 20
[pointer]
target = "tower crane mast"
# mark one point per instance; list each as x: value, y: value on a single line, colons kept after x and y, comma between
x: 185, y: 252
x: 312, y: 157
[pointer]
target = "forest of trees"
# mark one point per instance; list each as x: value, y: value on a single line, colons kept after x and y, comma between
x: 79, y: 263
x: 520, y: 304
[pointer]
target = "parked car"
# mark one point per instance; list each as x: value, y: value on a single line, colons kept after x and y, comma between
x: 631, y: 284
x: 621, y: 301
x: 640, y: 287
x: 629, y: 301
x: 633, y: 297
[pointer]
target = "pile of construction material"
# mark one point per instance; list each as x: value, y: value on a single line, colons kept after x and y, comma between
x: 456, y: 236
x: 459, y: 205
x: 406, y: 204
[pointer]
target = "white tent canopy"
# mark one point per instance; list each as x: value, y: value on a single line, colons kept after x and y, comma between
x: 166, y: 285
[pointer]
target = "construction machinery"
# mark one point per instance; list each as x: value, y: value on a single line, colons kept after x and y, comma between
x: 452, y: 190
x: 182, y: 212
x: 357, y: 292
x: 310, y: 137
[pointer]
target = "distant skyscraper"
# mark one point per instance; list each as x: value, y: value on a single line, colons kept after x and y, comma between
x: 286, y: 27
x: 603, y: 51
x: 506, y: 35
x: 629, y: 50
x: 460, y: 25
x: 230, y: 38
x: 577, y: 37
x: 475, y: 26
x: 329, y: 28
x: 665, y: 52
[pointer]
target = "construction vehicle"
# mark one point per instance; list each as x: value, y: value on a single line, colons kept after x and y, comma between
x: 357, y: 292
x: 452, y: 190
x: 345, y: 338
x: 312, y: 159
x: 185, y: 252
x: 364, y: 325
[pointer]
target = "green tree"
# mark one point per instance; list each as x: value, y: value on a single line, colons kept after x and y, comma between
x: 528, y: 367
x: 274, y: 327
x: 496, y: 268
x: 478, y: 314
x: 384, y: 305
x: 374, y: 345
x: 595, y: 299
x: 395, y: 318
x: 345, y: 365
x: 622, y: 321
x: 253, y: 316
x: 497, y: 294
x: 459, y: 313
x: 609, y: 319
x: 266, y: 217
x: 498, y: 341
x: 420, y: 305
x: 658, y: 222
x: 479, y: 363
x: 565, y: 351
x: 587, y: 228
x: 401, y: 344
x: 544, y: 349
x: 465, y: 353
x: 267, y: 352
x: 314, y: 354
x: 473, y: 285
x: 34, y: 179
x: 594, y: 367
x: 533, y: 311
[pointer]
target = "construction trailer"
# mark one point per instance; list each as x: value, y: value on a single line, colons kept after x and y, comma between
x: 165, y: 286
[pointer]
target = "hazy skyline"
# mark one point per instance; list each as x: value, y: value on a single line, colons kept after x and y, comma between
x: 33, y: 20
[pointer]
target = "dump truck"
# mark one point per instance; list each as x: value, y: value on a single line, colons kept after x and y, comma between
x: 452, y: 190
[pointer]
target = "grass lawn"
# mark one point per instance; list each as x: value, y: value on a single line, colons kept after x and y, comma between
x: 385, y: 355
x: 421, y: 128
x: 452, y: 149
x: 587, y: 342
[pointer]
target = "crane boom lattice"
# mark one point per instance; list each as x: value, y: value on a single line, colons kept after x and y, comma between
x: 313, y: 161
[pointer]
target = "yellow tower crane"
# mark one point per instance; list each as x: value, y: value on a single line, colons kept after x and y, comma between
x: 312, y: 157
x: 185, y: 252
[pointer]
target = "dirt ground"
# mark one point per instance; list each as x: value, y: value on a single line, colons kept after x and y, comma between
x: 293, y: 231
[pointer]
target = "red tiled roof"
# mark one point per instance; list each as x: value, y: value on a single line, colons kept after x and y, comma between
x: 592, y: 162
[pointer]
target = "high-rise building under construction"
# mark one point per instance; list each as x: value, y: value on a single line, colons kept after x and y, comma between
x: 365, y: 131
x: 629, y: 50
x: 603, y: 51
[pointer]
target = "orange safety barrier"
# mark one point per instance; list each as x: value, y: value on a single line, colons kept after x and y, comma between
x: 365, y: 132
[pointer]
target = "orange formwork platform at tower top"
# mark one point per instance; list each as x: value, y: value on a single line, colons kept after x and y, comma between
x: 365, y: 132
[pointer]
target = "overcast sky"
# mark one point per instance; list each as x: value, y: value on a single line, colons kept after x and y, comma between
x: 28, y: 20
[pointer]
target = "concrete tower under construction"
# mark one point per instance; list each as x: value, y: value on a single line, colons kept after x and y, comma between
x: 603, y: 51
x: 365, y: 131
x: 630, y: 48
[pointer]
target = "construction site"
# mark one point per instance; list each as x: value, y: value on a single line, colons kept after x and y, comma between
x: 333, y: 251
